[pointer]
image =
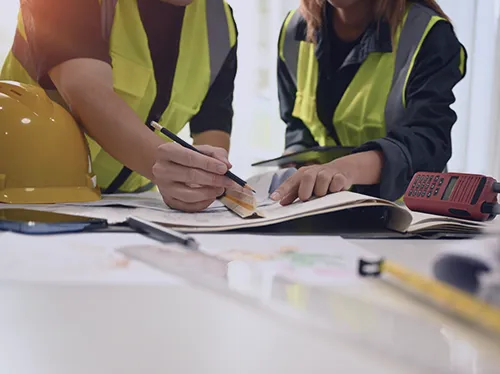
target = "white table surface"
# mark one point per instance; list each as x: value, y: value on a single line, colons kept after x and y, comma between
x: 139, y: 320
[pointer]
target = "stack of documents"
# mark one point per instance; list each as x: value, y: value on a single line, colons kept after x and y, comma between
x: 217, y: 218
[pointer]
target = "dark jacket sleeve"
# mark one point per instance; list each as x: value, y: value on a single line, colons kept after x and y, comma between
x: 58, y: 31
x: 297, y: 135
x: 216, y: 112
x: 422, y: 142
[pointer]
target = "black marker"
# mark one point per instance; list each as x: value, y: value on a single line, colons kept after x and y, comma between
x: 161, y: 233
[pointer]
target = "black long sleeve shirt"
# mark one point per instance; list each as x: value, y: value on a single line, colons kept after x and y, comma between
x: 58, y: 31
x: 422, y: 141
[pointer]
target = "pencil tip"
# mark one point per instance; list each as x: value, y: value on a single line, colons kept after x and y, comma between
x: 248, y: 187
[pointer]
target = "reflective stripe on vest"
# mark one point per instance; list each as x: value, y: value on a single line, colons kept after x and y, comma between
x: 416, y: 26
x: 291, y: 46
x: 371, y: 101
x: 108, y: 8
x: 197, y: 68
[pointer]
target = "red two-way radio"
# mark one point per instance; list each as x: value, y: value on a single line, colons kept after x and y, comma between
x: 460, y: 195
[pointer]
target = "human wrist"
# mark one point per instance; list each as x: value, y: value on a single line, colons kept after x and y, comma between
x: 364, y: 168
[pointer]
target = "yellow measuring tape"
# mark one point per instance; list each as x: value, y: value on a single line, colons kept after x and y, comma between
x: 444, y: 295
x: 447, y: 296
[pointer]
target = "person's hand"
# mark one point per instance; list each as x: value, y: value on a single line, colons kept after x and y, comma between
x: 190, y: 181
x: 316, y: 180
x: 363, y: 168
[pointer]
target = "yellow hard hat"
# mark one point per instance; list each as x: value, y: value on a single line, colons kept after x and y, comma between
x: 44, y: 156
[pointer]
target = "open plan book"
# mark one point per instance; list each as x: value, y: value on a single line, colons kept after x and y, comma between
x: 229, y: 213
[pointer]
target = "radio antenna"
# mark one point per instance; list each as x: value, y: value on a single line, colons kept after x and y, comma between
x: 495, y: 209
x: 496, y: 187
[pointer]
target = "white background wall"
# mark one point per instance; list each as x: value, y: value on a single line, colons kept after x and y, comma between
x: 476, y: 23
x: 258, y: 131
x: 8, y: 14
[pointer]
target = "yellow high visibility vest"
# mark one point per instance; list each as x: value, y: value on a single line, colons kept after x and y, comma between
x: 372, y: 100
x: 208, y: 34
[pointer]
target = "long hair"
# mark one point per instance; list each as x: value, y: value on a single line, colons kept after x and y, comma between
x: 391, y: 11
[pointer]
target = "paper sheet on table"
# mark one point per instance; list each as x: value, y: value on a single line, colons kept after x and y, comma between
x: 217, y: 217
x: 147, y: 200
x: 322, y: 260
x: 75, y: 258
x: 422, y: 221
x: 117, y: 208
x: 253, y: 263
x: 152, y: 200
x: 222, y: 219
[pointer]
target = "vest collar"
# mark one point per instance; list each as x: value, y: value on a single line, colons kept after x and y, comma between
x: 376, y: 38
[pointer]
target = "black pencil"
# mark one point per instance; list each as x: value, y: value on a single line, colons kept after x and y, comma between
x: 179, y: 141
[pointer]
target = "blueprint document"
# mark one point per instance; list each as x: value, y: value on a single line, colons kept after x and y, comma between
x: 152, y: 200
x: 116, y: 208
x: 262, y: 210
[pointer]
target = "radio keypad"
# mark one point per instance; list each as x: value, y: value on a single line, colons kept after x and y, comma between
x: 426, y: 186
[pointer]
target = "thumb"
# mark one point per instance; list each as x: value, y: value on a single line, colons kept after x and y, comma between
x: 217, y: 153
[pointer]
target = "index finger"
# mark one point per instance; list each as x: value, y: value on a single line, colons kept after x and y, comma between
x: 215, y: 152
x: 189, y: 158
x: 291, y: 185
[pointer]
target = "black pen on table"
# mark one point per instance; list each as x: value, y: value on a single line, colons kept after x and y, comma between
x: 161, y: 233
x: 179, y: 141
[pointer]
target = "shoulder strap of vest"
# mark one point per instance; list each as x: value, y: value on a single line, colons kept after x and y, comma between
x: 219, y: 39
x: 411, y: 35
x: 108, y: 9
x: 410, y: 38
x: 289, y: 45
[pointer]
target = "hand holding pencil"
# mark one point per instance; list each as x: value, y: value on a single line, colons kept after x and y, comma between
x: 189, y: 178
